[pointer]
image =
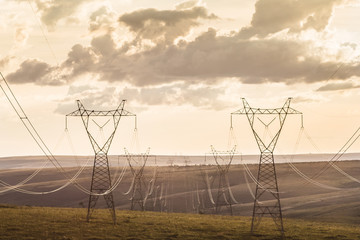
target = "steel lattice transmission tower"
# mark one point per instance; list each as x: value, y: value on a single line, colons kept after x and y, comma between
x: 138, y: 185
x: 101, y: 181
x: 267, y: 199
x: 224, y: 196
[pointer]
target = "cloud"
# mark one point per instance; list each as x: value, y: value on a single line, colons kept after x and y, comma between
x: 21, y: 35
x: 164, y: 25
x: 103, y: 45
x: 29, y: 71
x: 338, y: 86
x: 272, y: 16
x: 37, y: 72
x: 308, y: 98
x: 80, y: 61
x: 187, y: 4
x: 92, y: 97
x: 5, y: 61
x: 210, y: 58
x: 207, y: 59
x: 52, y: 11
x: 200, y: 96
x: 102, y: 19
x: 182, y: 72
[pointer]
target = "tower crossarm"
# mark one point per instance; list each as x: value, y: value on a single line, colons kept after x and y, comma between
x: 93, y: 113
x: 269, y: 111
x: 286, y: 109
x: 82, y: 111
x: 85, y: 114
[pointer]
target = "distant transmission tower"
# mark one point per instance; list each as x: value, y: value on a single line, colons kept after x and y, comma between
x: 224, y: 196
x: 101, y: 181
x: 266, y: 187
x: 167, y: 189
x: 138, y: 188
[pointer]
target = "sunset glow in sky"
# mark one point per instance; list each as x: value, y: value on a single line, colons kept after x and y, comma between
x: 183, y: 67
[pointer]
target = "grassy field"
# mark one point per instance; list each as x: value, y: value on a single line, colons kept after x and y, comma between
x: 69, y: 223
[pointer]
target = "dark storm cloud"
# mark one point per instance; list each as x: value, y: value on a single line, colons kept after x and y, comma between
x: 272, y: 16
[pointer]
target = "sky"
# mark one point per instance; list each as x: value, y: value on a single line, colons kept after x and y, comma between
x: 183, y: 67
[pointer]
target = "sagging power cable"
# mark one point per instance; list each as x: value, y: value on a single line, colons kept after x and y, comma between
x: 10, y: 96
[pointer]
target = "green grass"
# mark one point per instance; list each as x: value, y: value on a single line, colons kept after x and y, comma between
x: 69, y: 223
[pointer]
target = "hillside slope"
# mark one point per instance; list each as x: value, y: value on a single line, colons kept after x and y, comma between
x: 184, y: 190
x: 69, y: 223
